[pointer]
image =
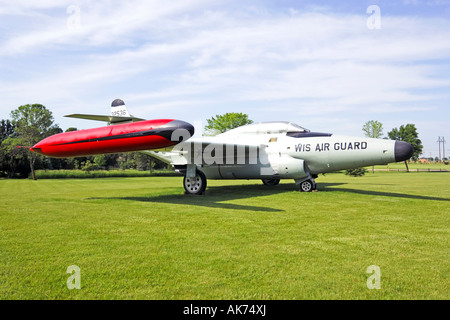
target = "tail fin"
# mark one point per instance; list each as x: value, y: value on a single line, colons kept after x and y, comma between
x: 119, y: 114
x: 119, y: 109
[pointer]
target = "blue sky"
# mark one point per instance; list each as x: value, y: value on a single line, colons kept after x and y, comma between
x: 327, y: 65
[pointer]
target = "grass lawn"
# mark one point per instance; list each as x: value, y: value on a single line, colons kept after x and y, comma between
x: 142, y: 238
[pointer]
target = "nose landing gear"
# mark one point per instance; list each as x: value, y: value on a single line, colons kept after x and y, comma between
x: 308, y: 185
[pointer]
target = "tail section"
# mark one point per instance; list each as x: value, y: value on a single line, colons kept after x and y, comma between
x: 119, y: 114
x: 119, y: 109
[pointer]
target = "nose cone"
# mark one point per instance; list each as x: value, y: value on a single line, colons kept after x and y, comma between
x: 403, y: 151
x: 186, y: 126
x: 178, y: 131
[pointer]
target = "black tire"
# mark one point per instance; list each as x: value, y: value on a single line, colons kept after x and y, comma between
x: 195, y: 185
x: 271, y: 182
x: 307, y: 186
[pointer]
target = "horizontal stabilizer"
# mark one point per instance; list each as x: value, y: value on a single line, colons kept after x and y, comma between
x: 110, y: 119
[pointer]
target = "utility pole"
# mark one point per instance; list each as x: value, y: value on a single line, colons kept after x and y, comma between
x: 443, y: 146
x: 441, y: 139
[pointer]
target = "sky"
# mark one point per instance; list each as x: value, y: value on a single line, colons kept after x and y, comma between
x: 329, y: 66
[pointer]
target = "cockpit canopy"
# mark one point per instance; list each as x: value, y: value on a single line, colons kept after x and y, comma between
x: 272, y: 127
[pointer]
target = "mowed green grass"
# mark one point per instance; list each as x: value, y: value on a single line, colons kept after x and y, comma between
x: 142, y: 238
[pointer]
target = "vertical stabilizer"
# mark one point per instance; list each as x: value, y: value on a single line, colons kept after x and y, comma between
x: 119, y: 109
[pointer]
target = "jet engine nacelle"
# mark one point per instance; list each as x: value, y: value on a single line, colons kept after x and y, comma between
x: 287, y: 167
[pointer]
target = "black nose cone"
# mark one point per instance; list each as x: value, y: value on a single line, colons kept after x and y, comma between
x: 183, y: 125
x: 403, y: 151
x: 177, y: 130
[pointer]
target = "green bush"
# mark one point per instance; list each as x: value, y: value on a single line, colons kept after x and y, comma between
x: 89, y: 166
x: 356, y: 172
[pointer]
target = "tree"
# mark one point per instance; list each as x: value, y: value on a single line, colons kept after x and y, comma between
x: 373, y: 129
x: 143, y: 161
x: 100, y: 161
x: 225, y: 122
x: 33, y: 123
x: 6, y: 129
x: 408, y: 134
x: 14, y: 161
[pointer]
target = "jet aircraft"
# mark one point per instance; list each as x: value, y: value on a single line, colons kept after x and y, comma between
x: 269, y: 151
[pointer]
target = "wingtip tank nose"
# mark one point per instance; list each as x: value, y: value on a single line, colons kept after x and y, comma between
x: 403, y: 151
x: 187, y: 126
x: 183, y: 125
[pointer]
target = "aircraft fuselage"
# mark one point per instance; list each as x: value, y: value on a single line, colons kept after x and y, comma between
x: 281, y: 156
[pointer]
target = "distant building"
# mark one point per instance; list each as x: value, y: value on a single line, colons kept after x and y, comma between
x: 423, y: 161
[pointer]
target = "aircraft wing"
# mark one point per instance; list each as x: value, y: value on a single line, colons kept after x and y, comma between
x: 209, y: 151
x: 110, y: 119
x: 164, y: 155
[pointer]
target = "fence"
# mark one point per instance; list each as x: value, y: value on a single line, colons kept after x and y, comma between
x: 413, y: 170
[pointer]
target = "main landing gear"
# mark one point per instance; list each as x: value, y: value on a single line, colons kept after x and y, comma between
x: 308, y: 185
x: 195, y: 185
x: 271, y: 182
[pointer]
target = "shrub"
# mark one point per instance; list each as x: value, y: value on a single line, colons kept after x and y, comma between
x: 356, y: 172
x: 89, y: 166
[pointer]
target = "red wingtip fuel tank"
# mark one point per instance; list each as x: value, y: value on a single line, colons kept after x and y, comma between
x: 136, y: 136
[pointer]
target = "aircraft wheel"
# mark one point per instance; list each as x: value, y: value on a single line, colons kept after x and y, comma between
x: 195, y: 185
x: 271, y: 182
x: 307, y: 186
